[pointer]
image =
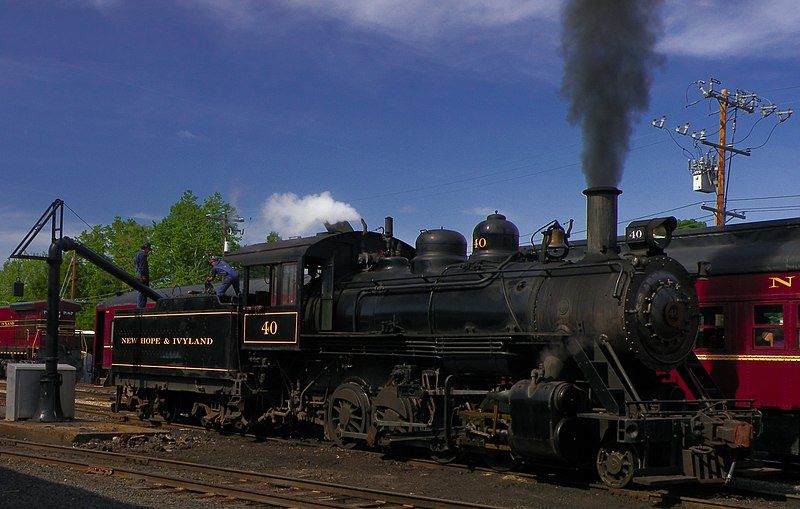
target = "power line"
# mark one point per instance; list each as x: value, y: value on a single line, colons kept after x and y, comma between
x: 487, y: 175
x: 773, y: 197
x: 712, y: 173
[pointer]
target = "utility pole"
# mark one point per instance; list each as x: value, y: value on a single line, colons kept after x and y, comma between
x: 723, y: 120
x: 707, y: 178
x: 225, y: 219
x: 73, y: 267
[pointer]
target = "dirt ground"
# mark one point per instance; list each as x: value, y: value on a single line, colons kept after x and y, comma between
x: 319, y: 460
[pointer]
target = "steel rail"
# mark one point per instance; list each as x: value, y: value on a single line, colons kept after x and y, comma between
x: 301, y: 490
x: 654, y: 496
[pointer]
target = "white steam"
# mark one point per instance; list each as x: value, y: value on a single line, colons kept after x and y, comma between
x: 291, y: 215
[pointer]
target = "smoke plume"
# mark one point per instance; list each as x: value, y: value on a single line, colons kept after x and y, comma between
x: 290, y: 215
x: 609, y: 52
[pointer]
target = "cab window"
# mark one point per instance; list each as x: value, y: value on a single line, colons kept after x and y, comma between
x: 712, y: 328
x: 284, y: 284
x: 768, y: 326
x: 258, y: 284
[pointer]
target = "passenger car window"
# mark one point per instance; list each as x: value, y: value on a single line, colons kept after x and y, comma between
x: 712, y: 327
x: 798, y: 328
x: 768, y: 326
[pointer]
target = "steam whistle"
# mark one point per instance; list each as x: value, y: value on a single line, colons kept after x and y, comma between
x: 388, y: 235
x: 364, y: 258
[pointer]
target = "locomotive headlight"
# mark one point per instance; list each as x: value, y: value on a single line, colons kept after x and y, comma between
x: 650, y: 236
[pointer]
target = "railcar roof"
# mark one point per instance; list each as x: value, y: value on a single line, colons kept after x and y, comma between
x: 759, y: 246
x: 762, y: 246
x: 39, y: 305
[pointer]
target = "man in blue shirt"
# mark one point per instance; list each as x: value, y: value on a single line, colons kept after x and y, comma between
x: 143, y: 271
x: 230, y: 276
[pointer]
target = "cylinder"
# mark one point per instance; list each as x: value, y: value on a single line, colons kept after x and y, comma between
x: 543, y: 423
x: 601, y: 221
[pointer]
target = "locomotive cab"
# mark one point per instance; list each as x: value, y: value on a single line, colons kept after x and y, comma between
x: 297, y: 280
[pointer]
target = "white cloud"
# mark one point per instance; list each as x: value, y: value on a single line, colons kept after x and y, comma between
x: 480, y: 211
x: 748, y: 28
x: 472, y: 33
x: 291, y: 215
x: 400, y: 19
x: 145, y: 216
x: 186, y: 135
x: 426, y: 20
x: 699, y: 28
x: 101, y: 4
x: 494, y: 38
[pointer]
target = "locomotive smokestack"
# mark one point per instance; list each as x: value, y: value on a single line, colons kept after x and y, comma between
x: 601, y: 221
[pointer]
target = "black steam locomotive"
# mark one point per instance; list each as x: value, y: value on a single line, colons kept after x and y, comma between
x: 503, y: 354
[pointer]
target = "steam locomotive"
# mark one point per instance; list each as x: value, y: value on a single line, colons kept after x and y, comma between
x: 503, y: 354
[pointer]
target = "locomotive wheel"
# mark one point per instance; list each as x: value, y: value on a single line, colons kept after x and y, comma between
x: 348, y: 410
x: 444, y: 455
x: 616, y: 464
x: 501, y: 461
x: 388, y: 407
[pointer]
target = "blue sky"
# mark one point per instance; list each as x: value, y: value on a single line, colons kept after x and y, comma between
x: 436, y: 113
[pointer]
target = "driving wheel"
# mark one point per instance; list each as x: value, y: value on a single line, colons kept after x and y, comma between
x: 616, y: 465
x: 347, y: 412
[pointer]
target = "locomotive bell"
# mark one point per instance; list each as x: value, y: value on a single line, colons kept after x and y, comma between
x: 555, y: 242
x: 494, y: 239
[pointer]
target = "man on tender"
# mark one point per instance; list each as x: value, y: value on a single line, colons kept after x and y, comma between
x: 142, y: 271
x: 229, y: 275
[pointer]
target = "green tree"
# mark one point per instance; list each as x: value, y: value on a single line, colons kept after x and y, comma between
x: 273, y: 236
x: 685, y: 224
x: 33, y: 273
x: 183, y: 240
x: 118, y: 242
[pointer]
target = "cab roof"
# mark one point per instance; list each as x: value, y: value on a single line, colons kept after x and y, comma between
x: 322, y: 245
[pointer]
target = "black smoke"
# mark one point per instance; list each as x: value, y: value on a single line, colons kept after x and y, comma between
x: 609, y: 53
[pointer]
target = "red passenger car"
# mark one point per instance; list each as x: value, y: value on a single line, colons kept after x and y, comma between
x: 23, y: 328
x: 749, y: 291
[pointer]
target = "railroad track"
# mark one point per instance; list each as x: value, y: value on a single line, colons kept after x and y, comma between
x: 208, y: 480
x: 677, y: 496
x: 698, y: 496
x: 282, y: 491
x: 659, y: 497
